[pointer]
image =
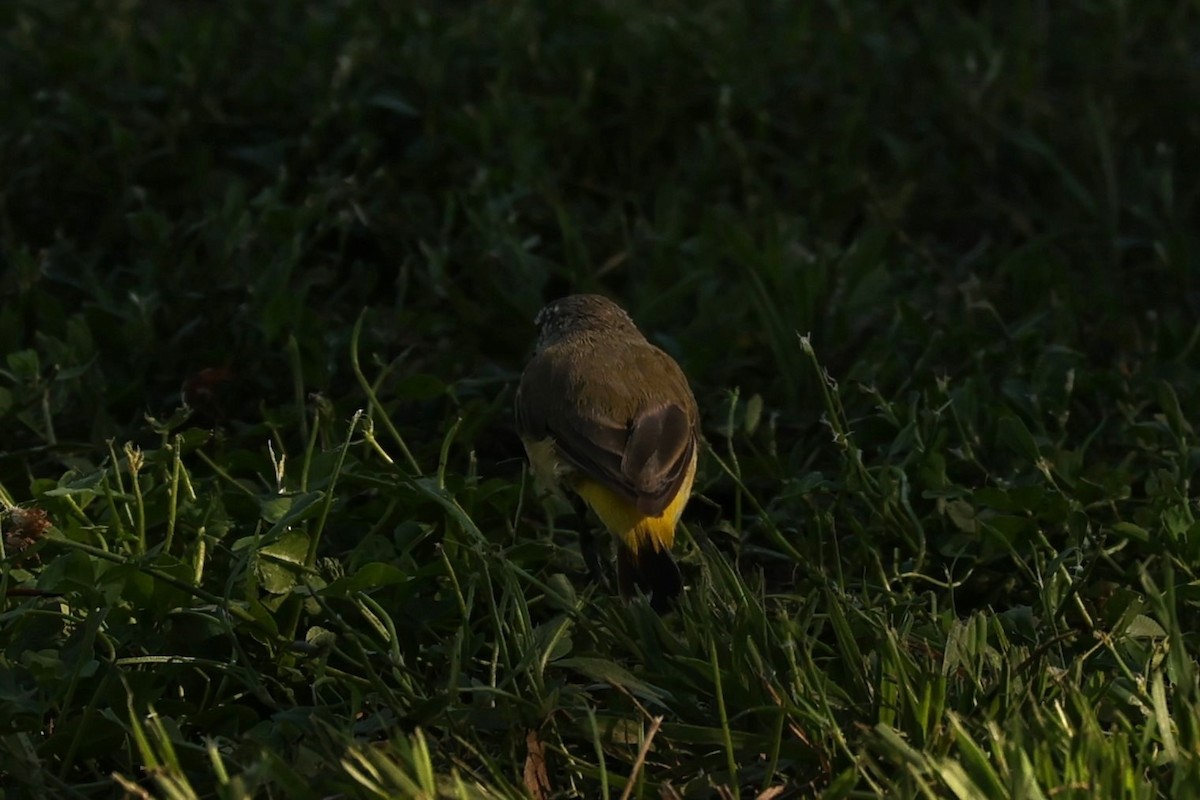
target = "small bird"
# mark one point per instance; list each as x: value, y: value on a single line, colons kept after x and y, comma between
x: 611, y: 417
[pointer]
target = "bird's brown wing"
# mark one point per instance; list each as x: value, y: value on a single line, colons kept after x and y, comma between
x: 633, y: 443
x: 658, y: 454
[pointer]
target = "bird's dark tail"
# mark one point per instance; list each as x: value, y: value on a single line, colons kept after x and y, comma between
x: 652, y: 570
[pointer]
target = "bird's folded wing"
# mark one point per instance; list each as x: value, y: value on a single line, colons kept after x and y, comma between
x: 645, y: 459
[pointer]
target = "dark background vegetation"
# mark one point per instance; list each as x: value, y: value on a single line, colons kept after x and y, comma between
x: 944, y: 544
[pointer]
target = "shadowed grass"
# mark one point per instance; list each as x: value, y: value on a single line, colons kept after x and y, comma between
x: 932, y: 273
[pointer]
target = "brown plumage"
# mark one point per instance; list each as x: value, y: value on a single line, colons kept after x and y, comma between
x: 607, y: 414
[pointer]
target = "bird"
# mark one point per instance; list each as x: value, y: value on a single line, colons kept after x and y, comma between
x: 609, y: 417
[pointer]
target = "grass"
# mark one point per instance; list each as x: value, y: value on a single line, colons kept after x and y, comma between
x: 267, y: 279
